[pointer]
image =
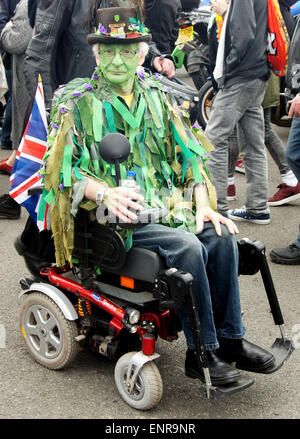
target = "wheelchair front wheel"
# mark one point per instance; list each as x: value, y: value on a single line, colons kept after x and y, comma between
x: 48, y: 335
x: 148, y: 388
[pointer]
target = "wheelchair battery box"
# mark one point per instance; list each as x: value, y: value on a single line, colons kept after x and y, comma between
x: 171, y: 288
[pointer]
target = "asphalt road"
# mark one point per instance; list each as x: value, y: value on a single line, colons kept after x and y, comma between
x: 87, y: 390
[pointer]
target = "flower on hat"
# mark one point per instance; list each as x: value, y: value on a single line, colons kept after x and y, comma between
x: 101, y: 30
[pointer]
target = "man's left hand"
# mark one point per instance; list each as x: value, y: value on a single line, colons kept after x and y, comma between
x: 205, y: 214
x: 295, y: 106
x: 164, y: 66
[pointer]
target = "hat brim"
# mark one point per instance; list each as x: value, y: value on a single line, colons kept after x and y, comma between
x: 96, y: 39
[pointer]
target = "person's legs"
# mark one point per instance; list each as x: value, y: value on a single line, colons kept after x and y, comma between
x: 234, y: 152
x: 274, y: 144
x: 220, y: 125
x: 293, y: 147
x: 253, y: 149
x: 293, y: 154
x: 184, y: 251
x: 233, y: 155
x: 291, y: 255
x: 213, y: 262
x: 240, y: 103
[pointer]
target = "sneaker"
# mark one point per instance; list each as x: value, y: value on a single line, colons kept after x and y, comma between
x: 243, y: 215
x: 285, y: 194
x: 287, y: 256
x: 4, y: 167
x: 9, y: 208
x: 239, y: 166
x: 231, y: 192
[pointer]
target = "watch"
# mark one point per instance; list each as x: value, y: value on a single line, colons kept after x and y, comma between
x: 100, y: 195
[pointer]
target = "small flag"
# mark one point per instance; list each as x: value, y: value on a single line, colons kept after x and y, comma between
x: 25, y: 173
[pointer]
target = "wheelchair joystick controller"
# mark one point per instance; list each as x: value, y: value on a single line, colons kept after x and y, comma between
x: 114, y: 148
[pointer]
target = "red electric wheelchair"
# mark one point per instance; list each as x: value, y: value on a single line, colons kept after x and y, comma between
x: 119, y: 303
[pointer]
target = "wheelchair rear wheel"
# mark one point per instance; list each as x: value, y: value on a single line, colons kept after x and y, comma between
x: 49, y: 336
x: 148, y: 388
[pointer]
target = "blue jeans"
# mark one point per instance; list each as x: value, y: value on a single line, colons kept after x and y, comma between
x: 213, y: 262
x: 293, y: 154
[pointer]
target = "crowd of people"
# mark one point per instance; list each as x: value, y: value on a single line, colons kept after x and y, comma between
x: 107, y: 41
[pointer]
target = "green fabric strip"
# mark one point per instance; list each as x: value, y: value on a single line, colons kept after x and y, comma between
x: 198, y: 149
x: 196, y: 170
x: 140, y: 142
x: 187, y: 153
x: 97, y: 119
x: 140, y: 111
x: 125, y: 113
x: 128, y: 242
x: 77, y: 173
x: 49, y: 197
x: 67, y: 165
x: 157, y: 103
x: 123, y: 171
x: 86, y: 158
x: 110, y: 117
x: 42, y: 206
x: 84, y: 105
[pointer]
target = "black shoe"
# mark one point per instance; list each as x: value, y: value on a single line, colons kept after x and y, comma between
x: 245, y: 355
x: 288, y: 255
x: 6, y: 147
x: 9, y: 208
x: 34, y: 264
x: 221, y: 373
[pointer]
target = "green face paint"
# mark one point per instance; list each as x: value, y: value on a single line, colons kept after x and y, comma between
x: 118, y: 64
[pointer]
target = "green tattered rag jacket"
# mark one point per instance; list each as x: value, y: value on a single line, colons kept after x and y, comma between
x: 167, y: 154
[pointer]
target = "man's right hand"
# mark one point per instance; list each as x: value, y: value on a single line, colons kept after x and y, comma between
x: 119, y: 200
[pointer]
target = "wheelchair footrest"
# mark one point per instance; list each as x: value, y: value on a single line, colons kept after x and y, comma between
x: 221, y: 391
x: 281, y: 349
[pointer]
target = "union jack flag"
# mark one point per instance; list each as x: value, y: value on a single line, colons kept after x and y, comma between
x: 25, y: 173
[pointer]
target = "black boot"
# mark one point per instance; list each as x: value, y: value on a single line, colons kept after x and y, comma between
x: 245, y: 355
x: 33, y: 263
x: 9, y: 208
x: 221, y: 373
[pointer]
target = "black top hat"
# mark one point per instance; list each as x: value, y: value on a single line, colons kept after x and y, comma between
x: 120, y: 26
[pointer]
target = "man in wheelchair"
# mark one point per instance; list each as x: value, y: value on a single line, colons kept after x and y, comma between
x: 168, y: 158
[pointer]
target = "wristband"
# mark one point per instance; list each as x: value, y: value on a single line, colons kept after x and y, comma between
x: 100, y: 195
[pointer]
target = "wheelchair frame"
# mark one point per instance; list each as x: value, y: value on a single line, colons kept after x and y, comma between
x: 106, y: 314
